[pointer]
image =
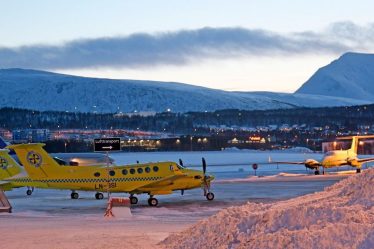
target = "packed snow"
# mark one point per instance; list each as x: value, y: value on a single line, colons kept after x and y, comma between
x: 341, y: 216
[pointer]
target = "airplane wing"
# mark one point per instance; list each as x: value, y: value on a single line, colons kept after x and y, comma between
x: 365, y: 160
x: 164, y: 181
x: 285, y: 162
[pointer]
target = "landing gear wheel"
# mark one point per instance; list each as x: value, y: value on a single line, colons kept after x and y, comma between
x: 210, y: 196
x: 153, y: 202
x: 99, y: 196
x: 358, y: 171
x: 133, y: 200
x: 74, y: 195
x: 316, y: 172
x: 29, y: 192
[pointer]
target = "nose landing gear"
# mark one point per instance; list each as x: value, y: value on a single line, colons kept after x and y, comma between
x: 210, y: 196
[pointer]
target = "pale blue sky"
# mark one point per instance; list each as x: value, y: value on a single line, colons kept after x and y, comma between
x: 55, y: 23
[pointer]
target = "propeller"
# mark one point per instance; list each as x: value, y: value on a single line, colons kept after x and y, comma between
x: 181, y: 164
x: 206, y: 184
x: 204, y: 165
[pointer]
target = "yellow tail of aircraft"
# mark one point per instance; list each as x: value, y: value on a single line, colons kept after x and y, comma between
x: 8, y: 166
x: 37, y: 162
x: 154, y: 178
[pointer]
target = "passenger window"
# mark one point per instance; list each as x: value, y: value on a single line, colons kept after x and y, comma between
x: 112, y: 173
x: 147, y: 169
x: 140, y: 170
x: 155, y: 168
x: 124, y: 172
x: 97, y: 174
x: 132, y: 171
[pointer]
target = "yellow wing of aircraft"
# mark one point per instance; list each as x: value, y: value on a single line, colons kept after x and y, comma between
x: 13, y: 176
x: 336, y: 158
x: 150, y: 178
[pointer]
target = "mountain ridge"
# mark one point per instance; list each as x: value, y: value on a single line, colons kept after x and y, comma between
x: 350, y: 76
x: 48, y: 91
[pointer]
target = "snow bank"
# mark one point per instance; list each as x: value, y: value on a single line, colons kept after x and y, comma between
x: 341, y: 216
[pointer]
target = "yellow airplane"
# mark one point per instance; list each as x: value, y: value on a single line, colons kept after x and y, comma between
x: 337, y: 158
x: 151, y: 178
x: 13, y: 176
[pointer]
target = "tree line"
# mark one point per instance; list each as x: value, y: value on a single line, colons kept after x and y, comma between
x: 349, y: 117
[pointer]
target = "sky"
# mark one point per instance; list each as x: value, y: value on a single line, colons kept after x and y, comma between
x: 236, y: 45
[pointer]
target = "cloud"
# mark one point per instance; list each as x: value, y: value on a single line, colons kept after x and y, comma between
x: 187, y: 46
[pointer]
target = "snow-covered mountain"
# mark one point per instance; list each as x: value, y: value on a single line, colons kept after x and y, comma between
x: 350, y: 76
x: 39, y: 90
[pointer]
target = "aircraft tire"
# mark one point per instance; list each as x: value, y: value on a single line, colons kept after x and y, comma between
x: 74, y: 195
x: 99, y: 196
x: 210, y: 196
x: 316, y: 172
x: 153, y: 202
x: 29, y: 192
x: 358, y: 171
x: 133, y: 200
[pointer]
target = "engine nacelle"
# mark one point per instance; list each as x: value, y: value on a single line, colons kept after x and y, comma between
x: 312, y: 164
x: 353, y: 162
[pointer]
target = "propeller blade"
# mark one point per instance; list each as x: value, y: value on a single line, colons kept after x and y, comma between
x: 180, y: 162
x: 204, y: 165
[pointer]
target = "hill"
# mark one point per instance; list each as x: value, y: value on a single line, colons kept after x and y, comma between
x: 46, y: 91
x: 350, y: 76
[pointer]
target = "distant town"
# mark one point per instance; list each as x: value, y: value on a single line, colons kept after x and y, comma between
x: 313, y: 128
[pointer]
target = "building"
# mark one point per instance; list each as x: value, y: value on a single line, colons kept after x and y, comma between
x: 31, y: 135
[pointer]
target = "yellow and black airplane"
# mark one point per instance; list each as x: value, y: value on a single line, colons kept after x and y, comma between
x: 151, y: 178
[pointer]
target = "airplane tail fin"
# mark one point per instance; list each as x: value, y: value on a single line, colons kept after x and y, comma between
x: 354, y: 144
x: 8, y: 166
x: 37, y: 162
x: 3, y: 144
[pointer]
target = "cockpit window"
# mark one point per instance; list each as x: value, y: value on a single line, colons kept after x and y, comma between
x: 180, y: 166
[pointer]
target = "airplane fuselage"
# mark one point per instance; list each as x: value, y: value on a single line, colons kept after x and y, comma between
x: 337, y: 158
x: 118, y: 179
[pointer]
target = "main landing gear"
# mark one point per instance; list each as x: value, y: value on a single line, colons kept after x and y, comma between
x: 74, y: 195
x: 153, y: 202
x: 99, y: 196
x: 133, y: 200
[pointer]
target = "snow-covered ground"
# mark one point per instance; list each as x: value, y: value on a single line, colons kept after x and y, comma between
x: 50, y: 219
x: 341, y: 216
